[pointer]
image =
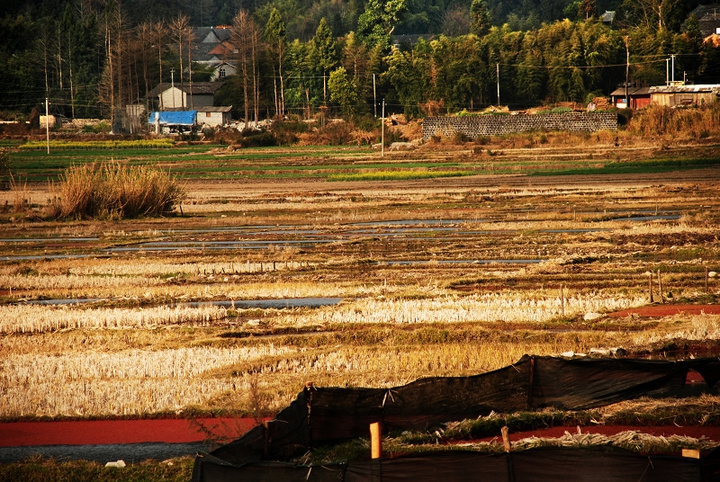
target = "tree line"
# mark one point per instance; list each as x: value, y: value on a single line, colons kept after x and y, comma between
x: 92, y: 60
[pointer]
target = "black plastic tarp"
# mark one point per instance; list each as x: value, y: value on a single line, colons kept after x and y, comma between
x: 326, y: 415
x: 549, y: 464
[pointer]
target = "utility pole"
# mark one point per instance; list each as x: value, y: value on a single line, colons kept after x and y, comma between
x: 672, y: 72
x: 172, y: 85
x: 47, y: 123
x: 627, y: 71
x: 382, y: 131
x: 374, y: 98
x: 497, y: 73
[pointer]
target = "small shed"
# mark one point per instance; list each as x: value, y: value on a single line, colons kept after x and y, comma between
x: 214, y: 115
x: 675, y: 95
x: 639, y: 97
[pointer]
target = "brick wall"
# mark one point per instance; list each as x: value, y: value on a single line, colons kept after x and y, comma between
x: 493, y: 125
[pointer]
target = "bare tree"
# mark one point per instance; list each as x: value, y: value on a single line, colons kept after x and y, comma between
x: 179, y: 29
x: 240, y: 37
x: 159, y: 35
x: 144, y: 36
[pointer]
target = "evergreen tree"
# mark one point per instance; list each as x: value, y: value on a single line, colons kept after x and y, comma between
x: 323, y: 53
x: 343, y: 91
x: 377, y: 23
x: 480, y: 18
x: 276, y: 38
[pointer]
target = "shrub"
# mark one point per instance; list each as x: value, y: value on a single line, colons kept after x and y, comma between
x: 252, y: 138
x: 113, y: 190
x: 5, y: 174
x: 286, y: 132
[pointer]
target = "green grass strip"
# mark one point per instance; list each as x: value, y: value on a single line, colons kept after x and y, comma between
x: 396, y: 175
x: 638, y: 167
x: 116, y: 144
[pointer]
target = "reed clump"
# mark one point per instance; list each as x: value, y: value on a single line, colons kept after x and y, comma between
x: 689, y: 123
x: 114, y: 190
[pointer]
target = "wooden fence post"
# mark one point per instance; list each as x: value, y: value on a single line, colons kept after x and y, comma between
x: 650, y: 285
x: 506, y: 438
x: 375, y: 441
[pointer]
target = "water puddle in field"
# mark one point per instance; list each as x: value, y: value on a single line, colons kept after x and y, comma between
x: 45, y: 240
x: 262, y: 237
x: 35, y: 257
x: 460, y: 261
x: 68, y: 301
x: 280, y: 303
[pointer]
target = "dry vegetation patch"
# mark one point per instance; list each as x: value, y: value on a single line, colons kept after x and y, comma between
x: 437, y: 278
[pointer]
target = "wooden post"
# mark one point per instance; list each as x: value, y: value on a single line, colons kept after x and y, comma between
x: 375, y: 441
x: 562, y: 298
x: 660, y: 288
x: 506, y: 438
x: 650, y: 285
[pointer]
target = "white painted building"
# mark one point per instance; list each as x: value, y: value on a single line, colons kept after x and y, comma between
x: 213, y: 116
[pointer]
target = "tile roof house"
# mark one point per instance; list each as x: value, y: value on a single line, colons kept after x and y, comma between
x: 185, y: 95
x: 708, y: 17
x: 214, y: 50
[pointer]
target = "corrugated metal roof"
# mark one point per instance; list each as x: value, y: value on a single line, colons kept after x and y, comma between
x: 213, y: 108
x: 632, y: 91
x: 685, y: 89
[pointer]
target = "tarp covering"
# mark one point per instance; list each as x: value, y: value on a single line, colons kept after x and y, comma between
x: 174, y: 118
x: 608, y: 464
x: 322, y: 415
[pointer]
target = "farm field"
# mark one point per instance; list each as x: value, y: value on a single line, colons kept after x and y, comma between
x: 274, y: 273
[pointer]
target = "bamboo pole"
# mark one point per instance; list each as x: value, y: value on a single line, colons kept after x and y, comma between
x: 375, y: 441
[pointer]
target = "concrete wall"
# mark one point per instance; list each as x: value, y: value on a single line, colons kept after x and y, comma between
x: 494, y: 125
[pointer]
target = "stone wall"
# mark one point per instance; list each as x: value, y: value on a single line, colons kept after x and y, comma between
x: 493, y: 125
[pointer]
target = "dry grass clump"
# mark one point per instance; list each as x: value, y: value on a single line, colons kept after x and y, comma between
x: 39, y: 319
x: 690, y: 123
x: 100, y: 190
x: 698, y: 327
x: 131, y: 382
x: 500, y: 307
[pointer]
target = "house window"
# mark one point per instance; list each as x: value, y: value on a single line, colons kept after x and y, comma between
x: 221, y: 73
x: 208, y: 114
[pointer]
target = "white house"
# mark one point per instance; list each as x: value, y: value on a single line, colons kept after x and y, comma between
x: 186, y: 95
x: 214, y: 116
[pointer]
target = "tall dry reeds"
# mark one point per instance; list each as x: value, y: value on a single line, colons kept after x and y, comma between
x: 695, y: 123
x: 112, y: 189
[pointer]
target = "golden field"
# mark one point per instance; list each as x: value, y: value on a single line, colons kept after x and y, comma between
x: 435, y: 277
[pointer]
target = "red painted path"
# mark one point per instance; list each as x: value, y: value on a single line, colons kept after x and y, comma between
x: 223, y: 430
x: 100, y: 432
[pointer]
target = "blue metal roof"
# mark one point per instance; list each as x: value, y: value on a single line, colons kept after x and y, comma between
x: 174, y: 118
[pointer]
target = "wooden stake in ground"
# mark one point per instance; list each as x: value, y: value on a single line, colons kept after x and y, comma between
x: 375, y: 441
x: 562, y: 298
x: 650, y: 285
x: 707, y: 275
x: 506, y: 438
x: 660, y: 288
